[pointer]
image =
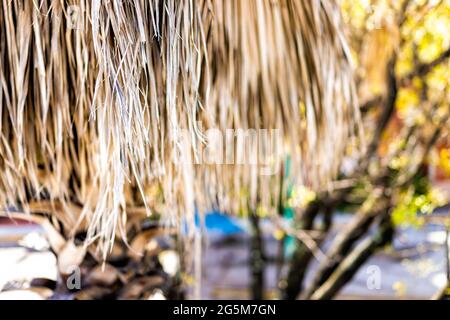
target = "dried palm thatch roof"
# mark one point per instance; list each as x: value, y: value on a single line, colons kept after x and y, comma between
x: 95, y: 97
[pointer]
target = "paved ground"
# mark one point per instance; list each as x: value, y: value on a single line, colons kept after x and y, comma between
x: 414, y: 268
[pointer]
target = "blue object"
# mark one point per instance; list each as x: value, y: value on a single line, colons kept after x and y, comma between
x: 220, y: 223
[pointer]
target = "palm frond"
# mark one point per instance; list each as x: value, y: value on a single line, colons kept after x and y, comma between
x: 95, y: 98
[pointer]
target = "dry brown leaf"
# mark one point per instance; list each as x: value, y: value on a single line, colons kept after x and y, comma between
x: 136, y: 288
x: 93, y: 293
x: 103, y: 275
x: 70, y: 257
x: 143, y: 241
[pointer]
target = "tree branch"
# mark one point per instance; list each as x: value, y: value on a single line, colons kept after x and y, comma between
x: 368, y: 105
x: 351, y: 264
x: 424, y: 68
x: 343, y: 244
x: 301, y: 256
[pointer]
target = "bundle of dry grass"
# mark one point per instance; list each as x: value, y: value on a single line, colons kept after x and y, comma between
x: 95, y: 98
x: 279, y: 65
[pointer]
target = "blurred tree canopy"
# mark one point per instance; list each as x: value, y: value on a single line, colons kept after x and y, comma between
x: 401, y: 53
x: 419, y: 41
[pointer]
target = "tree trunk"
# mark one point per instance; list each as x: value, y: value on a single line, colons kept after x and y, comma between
x: 256, y: 259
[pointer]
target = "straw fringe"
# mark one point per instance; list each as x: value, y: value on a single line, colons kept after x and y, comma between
x: 96, y: 98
